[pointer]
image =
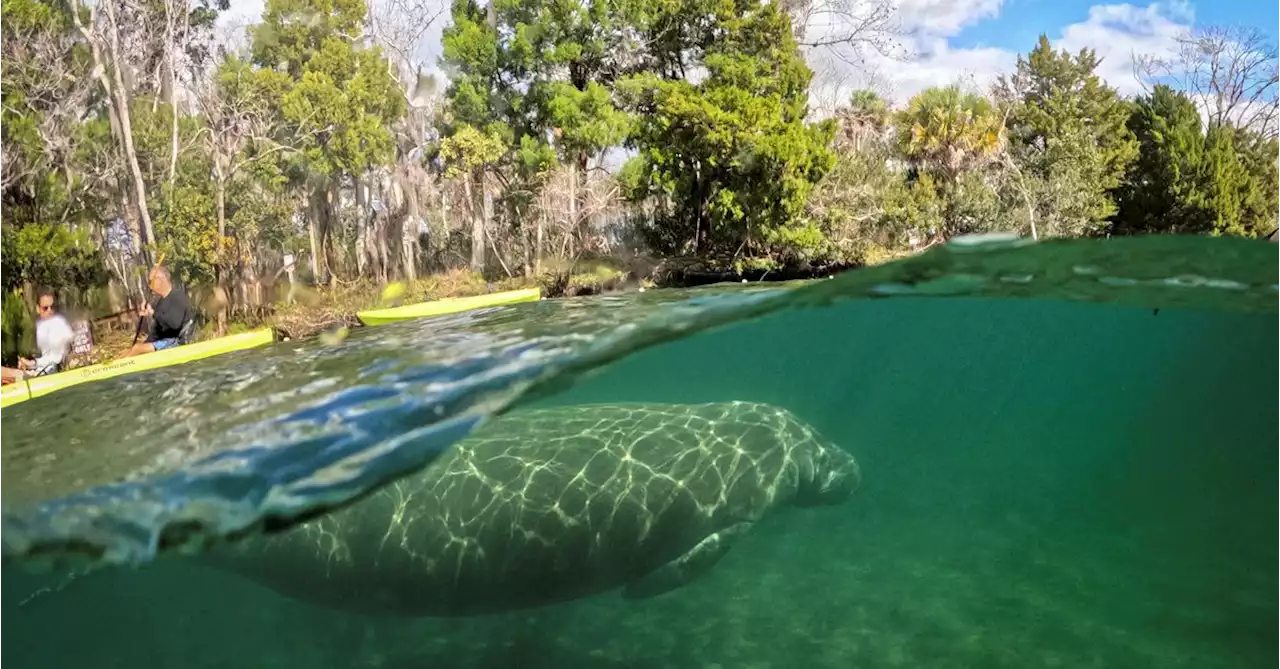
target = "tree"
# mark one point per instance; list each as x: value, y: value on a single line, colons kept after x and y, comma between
x: 852, y: 201
x: 1191, y: 180
x: 400, y: 26
x: 948, y: 131
x: 950, y: 137
x: 48, y: 98
x: 1231, y: 73
x: 108, y: 68
x: 242, y: 124
x: 730, y: 159
x: 44, y: 100
x: 469, y: 153
x: 1068, y: 136
x: 1156, y: 195
x: 546, y: 92
x: 338, y: 108
x: 574, y: 60
x: 486, y: 109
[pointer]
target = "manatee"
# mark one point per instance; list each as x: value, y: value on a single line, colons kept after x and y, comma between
x: 549, y: 505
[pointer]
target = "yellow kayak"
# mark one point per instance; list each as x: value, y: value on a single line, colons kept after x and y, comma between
x: 43, y: 385
x: 447, y: 306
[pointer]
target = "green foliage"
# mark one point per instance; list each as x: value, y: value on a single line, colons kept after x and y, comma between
x: 260, y: 215
x: 1069, y: 136
x: 188, y: 232
x: 850, y: 202
x: 484, y: 79
x: 730, y: 159
x: 1192, y: 181
x: 44, y: 254
x: 293, y: 32
x: 1233, y: 196
x: 930, y: 208
x: 543, y: 94
x: 17, y: 329
x: 44, y: 76
x: 868, y: 106
x: 469, y: 149
x: 915, y: 206
x: 949, y: 131
x: 342, y: 98
x: 1158, y: 190
x: 1260, y: 201
x: 951, y: 138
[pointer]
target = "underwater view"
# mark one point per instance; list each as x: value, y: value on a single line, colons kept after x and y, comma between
x: 993, y: 454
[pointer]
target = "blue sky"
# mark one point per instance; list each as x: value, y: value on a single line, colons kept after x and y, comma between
x: 1020, y: 22
x: 971, y: 42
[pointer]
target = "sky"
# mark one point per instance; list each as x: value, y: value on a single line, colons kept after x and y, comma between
x: 973, y: 41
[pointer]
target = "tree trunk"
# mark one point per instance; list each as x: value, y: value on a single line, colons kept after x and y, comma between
x: 313, y: 225
x: 220, y: 291
x: 479, y: 209
x: 573, y: 197
x: 384, y: 248
x: 582, y: 226
x: 362, y: 226
x: 444, y: 212
x: 332, y: 219
x: 127, y: 212
x: 540, y: 241
x: 220, y: 298
x: 220, y: 200
x: 121, y: 98
x: 409, y: 229
x: 171, y: 90
x: 526, y: 243
x: 130, y: 221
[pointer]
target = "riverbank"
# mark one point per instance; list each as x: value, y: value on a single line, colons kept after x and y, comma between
x: 307, y: 311
x: 313, y: 310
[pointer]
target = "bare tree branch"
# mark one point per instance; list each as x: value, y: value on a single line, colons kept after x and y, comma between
x: 1232, y: 73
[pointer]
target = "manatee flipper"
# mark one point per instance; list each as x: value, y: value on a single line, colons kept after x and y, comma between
x: 689, y: 566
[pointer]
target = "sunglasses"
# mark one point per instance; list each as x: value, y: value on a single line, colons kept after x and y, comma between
x: 45, y: 307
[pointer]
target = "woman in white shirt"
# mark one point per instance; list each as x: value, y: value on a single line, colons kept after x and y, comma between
x: 53, y: 337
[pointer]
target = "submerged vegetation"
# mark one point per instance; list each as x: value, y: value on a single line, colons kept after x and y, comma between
x: 577, y: 143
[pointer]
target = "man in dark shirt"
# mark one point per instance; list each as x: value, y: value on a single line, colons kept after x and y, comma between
x: 172, y: 318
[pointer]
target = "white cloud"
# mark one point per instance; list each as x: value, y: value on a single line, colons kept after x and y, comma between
x: 1115, y: 32
x: 944, y: 17
x: 1119, y: 32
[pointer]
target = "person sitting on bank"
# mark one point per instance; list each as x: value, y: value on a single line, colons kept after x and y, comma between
x: 54, y: 337
x: 172, y: 318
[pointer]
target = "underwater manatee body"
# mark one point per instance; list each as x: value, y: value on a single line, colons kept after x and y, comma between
x: 554, y: 504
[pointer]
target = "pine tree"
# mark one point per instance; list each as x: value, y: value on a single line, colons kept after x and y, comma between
x: 1068, y: 132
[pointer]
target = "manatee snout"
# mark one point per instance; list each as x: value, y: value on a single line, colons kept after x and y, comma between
x: 836, y: 476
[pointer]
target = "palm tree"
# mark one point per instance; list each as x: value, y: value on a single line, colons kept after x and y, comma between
x: 865, y: 117
x: 948, y: 131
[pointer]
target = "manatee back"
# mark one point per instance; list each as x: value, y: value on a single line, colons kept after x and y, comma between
x: 543, y: 506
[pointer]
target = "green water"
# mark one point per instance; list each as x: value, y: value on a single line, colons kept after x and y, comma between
x: 1045, y: 484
